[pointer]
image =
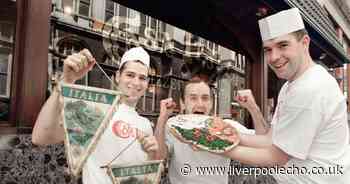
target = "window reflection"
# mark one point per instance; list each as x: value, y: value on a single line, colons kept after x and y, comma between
x: 7, y: 33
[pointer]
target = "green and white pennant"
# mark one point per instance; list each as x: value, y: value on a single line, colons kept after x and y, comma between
x: 148, y: 172
x: 86, y: 114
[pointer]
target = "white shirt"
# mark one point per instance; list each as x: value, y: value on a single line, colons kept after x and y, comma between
x: 182, y: 155
x: 310, y: 125
x: 114, y: 139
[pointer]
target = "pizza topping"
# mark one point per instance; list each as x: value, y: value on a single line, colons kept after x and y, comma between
x: 212, y: 142
x: 209, y: 133
x: 217, y: 123
x: 210, y: 138
x: 196, y: 133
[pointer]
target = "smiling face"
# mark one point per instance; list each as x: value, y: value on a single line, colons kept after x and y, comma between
x: 286, y: 55
x: 132, y: 81
x: 197, y: 99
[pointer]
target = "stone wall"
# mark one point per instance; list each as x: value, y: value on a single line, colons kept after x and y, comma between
x: 21, y: 162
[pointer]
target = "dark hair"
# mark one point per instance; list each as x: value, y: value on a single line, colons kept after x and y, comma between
x: 194, y: 80
x: 300, y: 33
x: 122, y: 67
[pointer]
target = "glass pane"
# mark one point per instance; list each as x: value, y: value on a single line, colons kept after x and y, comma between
x: 7, y: 34
x: 3, y: 63
x: 163, y: 27
x: 84, y: 9
x: 98, y: 79
x: 4, y: 111
x: 3, y: 85
x: 68, y: 50
x: 143, y: 19
x: 153, y: 23
x: 108, y: 16
x: 6, y: 31
x: 109, y: 5
x: 194, y: 39
x: 122, y: 10
x: 67, y: 3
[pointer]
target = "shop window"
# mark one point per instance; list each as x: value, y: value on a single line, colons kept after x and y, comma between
x: 98, y: 79
x: 143, y: 20
x: 66, y: 46
x: 68, y: 5
x: 5, y: 71
x: 150, y: 101
x: 110, y: 10
x: 126, y: 19
x: 84, y: 8
x: 210, y: 49
x: 81, y: 7
x: 156, y: 27
x: 6, y: 56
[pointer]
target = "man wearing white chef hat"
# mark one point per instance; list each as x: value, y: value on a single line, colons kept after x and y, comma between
x: 309, y: 134
x: 124, y: 126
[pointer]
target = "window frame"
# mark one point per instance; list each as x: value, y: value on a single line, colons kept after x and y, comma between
x: 10, y: 48
x: 85, y: 2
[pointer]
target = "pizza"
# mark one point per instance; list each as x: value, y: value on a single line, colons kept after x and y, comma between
x: 205, y: 132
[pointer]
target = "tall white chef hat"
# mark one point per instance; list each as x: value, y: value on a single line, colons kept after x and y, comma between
x: 281, y: 23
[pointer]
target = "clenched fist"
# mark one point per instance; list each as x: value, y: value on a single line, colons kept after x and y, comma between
x: 77, y: 65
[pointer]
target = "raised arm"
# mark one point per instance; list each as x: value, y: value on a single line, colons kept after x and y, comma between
x: 245, y: 99
x: 47, y: 129
x: 166, y: 108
